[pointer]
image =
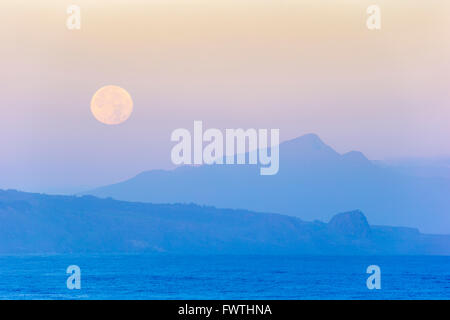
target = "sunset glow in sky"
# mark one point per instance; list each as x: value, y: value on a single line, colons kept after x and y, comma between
x: 300, y: 66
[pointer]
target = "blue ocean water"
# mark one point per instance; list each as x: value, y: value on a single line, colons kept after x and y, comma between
x: 223, y: 277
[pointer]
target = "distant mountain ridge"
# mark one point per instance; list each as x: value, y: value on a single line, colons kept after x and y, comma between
x: 40, y: 224
x: 314, y: 182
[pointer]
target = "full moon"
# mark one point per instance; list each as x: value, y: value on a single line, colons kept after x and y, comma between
x: 111, y: 105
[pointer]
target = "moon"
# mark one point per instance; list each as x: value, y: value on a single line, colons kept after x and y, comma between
x: 111, y: 105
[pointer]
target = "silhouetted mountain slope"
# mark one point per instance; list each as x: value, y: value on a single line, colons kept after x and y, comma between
x: 35, y: 223
x: 314, y: 182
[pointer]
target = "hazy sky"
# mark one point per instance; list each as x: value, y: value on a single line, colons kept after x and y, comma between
x: 300, y: 66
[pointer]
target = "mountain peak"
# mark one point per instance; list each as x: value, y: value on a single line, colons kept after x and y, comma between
x: 309, y: 139
x: 356, y: 157
x: 352, y: 223
x: 308, y: 146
